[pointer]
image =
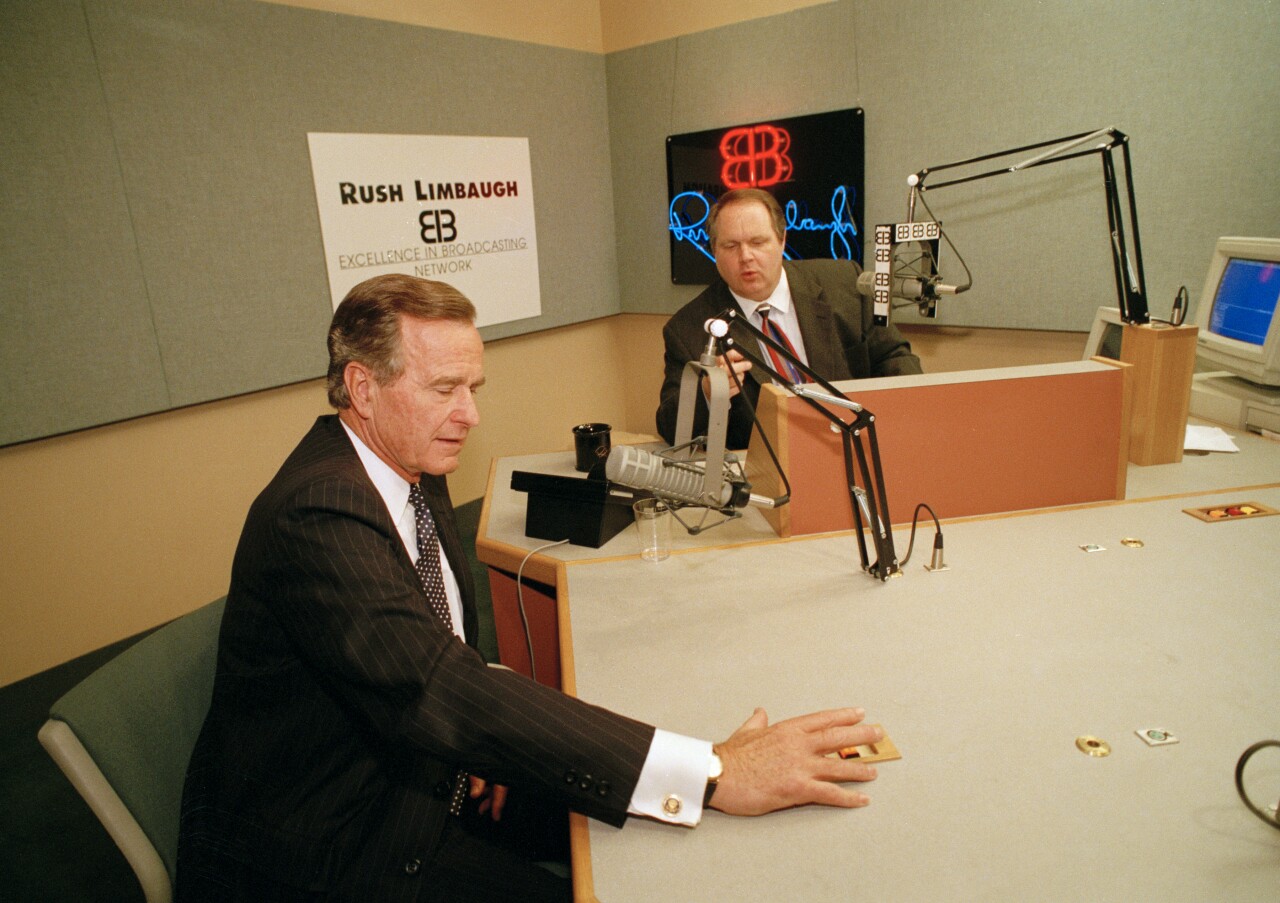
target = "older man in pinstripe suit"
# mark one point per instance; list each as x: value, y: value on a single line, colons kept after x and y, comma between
x: 349, y: 719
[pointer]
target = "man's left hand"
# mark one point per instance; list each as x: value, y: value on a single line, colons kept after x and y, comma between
x: 492, y: 797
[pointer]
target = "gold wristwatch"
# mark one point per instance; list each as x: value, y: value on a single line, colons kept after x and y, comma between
x: 713, y: 777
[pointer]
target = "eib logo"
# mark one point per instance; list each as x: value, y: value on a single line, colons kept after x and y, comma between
x: 755, y: 156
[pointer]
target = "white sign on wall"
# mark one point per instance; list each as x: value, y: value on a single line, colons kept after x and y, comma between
x: 454, y: 209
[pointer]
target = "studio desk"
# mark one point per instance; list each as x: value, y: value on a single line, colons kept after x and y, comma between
x: 984, y: 676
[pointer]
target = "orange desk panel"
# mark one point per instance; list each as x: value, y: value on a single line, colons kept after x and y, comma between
x: 976, y: 443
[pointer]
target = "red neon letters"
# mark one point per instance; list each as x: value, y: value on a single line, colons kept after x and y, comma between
x: 755, y: 156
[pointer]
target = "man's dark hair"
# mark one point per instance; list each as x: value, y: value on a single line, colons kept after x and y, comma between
x: 740, y: 196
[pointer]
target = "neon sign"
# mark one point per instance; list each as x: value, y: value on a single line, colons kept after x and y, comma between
x: 812, y: 164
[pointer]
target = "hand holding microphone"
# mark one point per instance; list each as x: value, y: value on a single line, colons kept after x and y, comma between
x: 731, y: 362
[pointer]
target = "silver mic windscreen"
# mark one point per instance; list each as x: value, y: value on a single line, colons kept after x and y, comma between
x: 909, y: 288
x: 640, y: 469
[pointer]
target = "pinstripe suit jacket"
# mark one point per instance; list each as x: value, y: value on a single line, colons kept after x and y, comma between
x: 342, y: 706
x: 841, y: 341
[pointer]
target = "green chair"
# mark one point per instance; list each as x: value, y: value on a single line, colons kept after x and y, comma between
x: 124, y: 734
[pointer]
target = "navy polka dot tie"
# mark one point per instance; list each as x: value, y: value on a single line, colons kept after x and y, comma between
x: 428, y: 564
x: 428, y: 568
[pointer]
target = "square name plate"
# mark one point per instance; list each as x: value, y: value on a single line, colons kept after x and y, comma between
x: 1214, y: 514
x: 882, y: 751
x: 1155, y: 736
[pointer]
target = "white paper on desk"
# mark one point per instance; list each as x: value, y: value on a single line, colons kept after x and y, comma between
x: 1208, y: 438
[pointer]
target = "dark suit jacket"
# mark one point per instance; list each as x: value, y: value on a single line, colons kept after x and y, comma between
x: 840, y: 340
x: 342, y: 707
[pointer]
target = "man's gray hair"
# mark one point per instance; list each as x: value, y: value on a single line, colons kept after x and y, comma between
x: 366, y: 326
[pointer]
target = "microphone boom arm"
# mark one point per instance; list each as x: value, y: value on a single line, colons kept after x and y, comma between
x: 1127, y: 262
x: 859, y: 442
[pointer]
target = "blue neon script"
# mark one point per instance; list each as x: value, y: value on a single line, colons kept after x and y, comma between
x: 687, y: 217
x: 840, y: 226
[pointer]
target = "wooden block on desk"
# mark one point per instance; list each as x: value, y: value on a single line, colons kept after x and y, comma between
x: 1164, y: 360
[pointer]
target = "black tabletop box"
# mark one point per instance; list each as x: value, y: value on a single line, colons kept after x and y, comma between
x: 587, y: 511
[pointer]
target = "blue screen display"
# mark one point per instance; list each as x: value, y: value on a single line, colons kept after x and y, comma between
x: 1246, y: 300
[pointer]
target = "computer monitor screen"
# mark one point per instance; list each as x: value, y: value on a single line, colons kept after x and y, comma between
x: 1239, y: 326
x: 1245, y: 303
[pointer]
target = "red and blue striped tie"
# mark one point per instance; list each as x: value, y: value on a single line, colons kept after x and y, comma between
x: 781, y: 365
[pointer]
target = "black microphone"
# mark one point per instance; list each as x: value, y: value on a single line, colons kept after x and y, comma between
x: 644, y: 470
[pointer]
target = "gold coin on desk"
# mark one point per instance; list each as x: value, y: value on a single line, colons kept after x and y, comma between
x: 1131, y: 542
x: 1093, y: 746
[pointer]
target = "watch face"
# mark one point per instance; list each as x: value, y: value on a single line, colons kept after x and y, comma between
x: 716, y: 768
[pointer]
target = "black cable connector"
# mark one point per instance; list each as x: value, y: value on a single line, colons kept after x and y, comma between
x: 936, y: 563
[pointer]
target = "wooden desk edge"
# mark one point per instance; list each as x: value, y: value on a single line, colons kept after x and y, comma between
x: 579, y: 827
x: 1126, y: 412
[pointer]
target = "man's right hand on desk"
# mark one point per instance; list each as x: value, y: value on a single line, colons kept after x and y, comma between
x: 770, y: 767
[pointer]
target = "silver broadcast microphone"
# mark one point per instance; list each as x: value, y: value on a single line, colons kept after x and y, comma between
x: 908, y: 288
x: 668, y: 480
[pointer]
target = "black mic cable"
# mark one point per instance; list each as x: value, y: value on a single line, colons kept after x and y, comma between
x: 936, y: 563
x: 1272, y: 820
x: 524, y: 617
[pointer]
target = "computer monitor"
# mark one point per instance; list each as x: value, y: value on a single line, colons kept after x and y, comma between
x: 1106, y: 335
x: 1239, y: 325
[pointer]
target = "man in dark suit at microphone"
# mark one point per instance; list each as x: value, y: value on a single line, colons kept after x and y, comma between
x: 357, y: 747
x: 815, y: 303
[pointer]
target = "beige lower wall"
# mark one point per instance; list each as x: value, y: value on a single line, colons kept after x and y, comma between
x: 114, y: 530
x: 948, y: 349
x: 111, y: 531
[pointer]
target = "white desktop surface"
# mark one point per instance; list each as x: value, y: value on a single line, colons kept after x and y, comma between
x: 1257, y: 463
x: 983, y: 675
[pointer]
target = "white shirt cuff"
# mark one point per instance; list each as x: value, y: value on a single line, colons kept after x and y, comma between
x: 673, y: 780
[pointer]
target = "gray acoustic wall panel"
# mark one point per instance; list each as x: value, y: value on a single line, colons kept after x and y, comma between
x: 76, y: 339
x: 1195, y: 90
x: 184, y: 123
x: 162, y: 246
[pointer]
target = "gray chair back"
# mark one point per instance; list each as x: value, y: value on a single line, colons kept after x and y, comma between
x: 136, y: 719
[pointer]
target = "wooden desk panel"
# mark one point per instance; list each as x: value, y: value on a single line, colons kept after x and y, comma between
x: 971, y: 443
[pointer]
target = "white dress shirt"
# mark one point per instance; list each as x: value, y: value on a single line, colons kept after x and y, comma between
x: 783, y: 314
x: 394, y: 490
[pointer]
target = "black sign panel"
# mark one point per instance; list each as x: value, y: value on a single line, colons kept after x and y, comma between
x: 812, y: 164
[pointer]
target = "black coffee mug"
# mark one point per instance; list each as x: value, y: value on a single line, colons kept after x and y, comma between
x: 591, y: 444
